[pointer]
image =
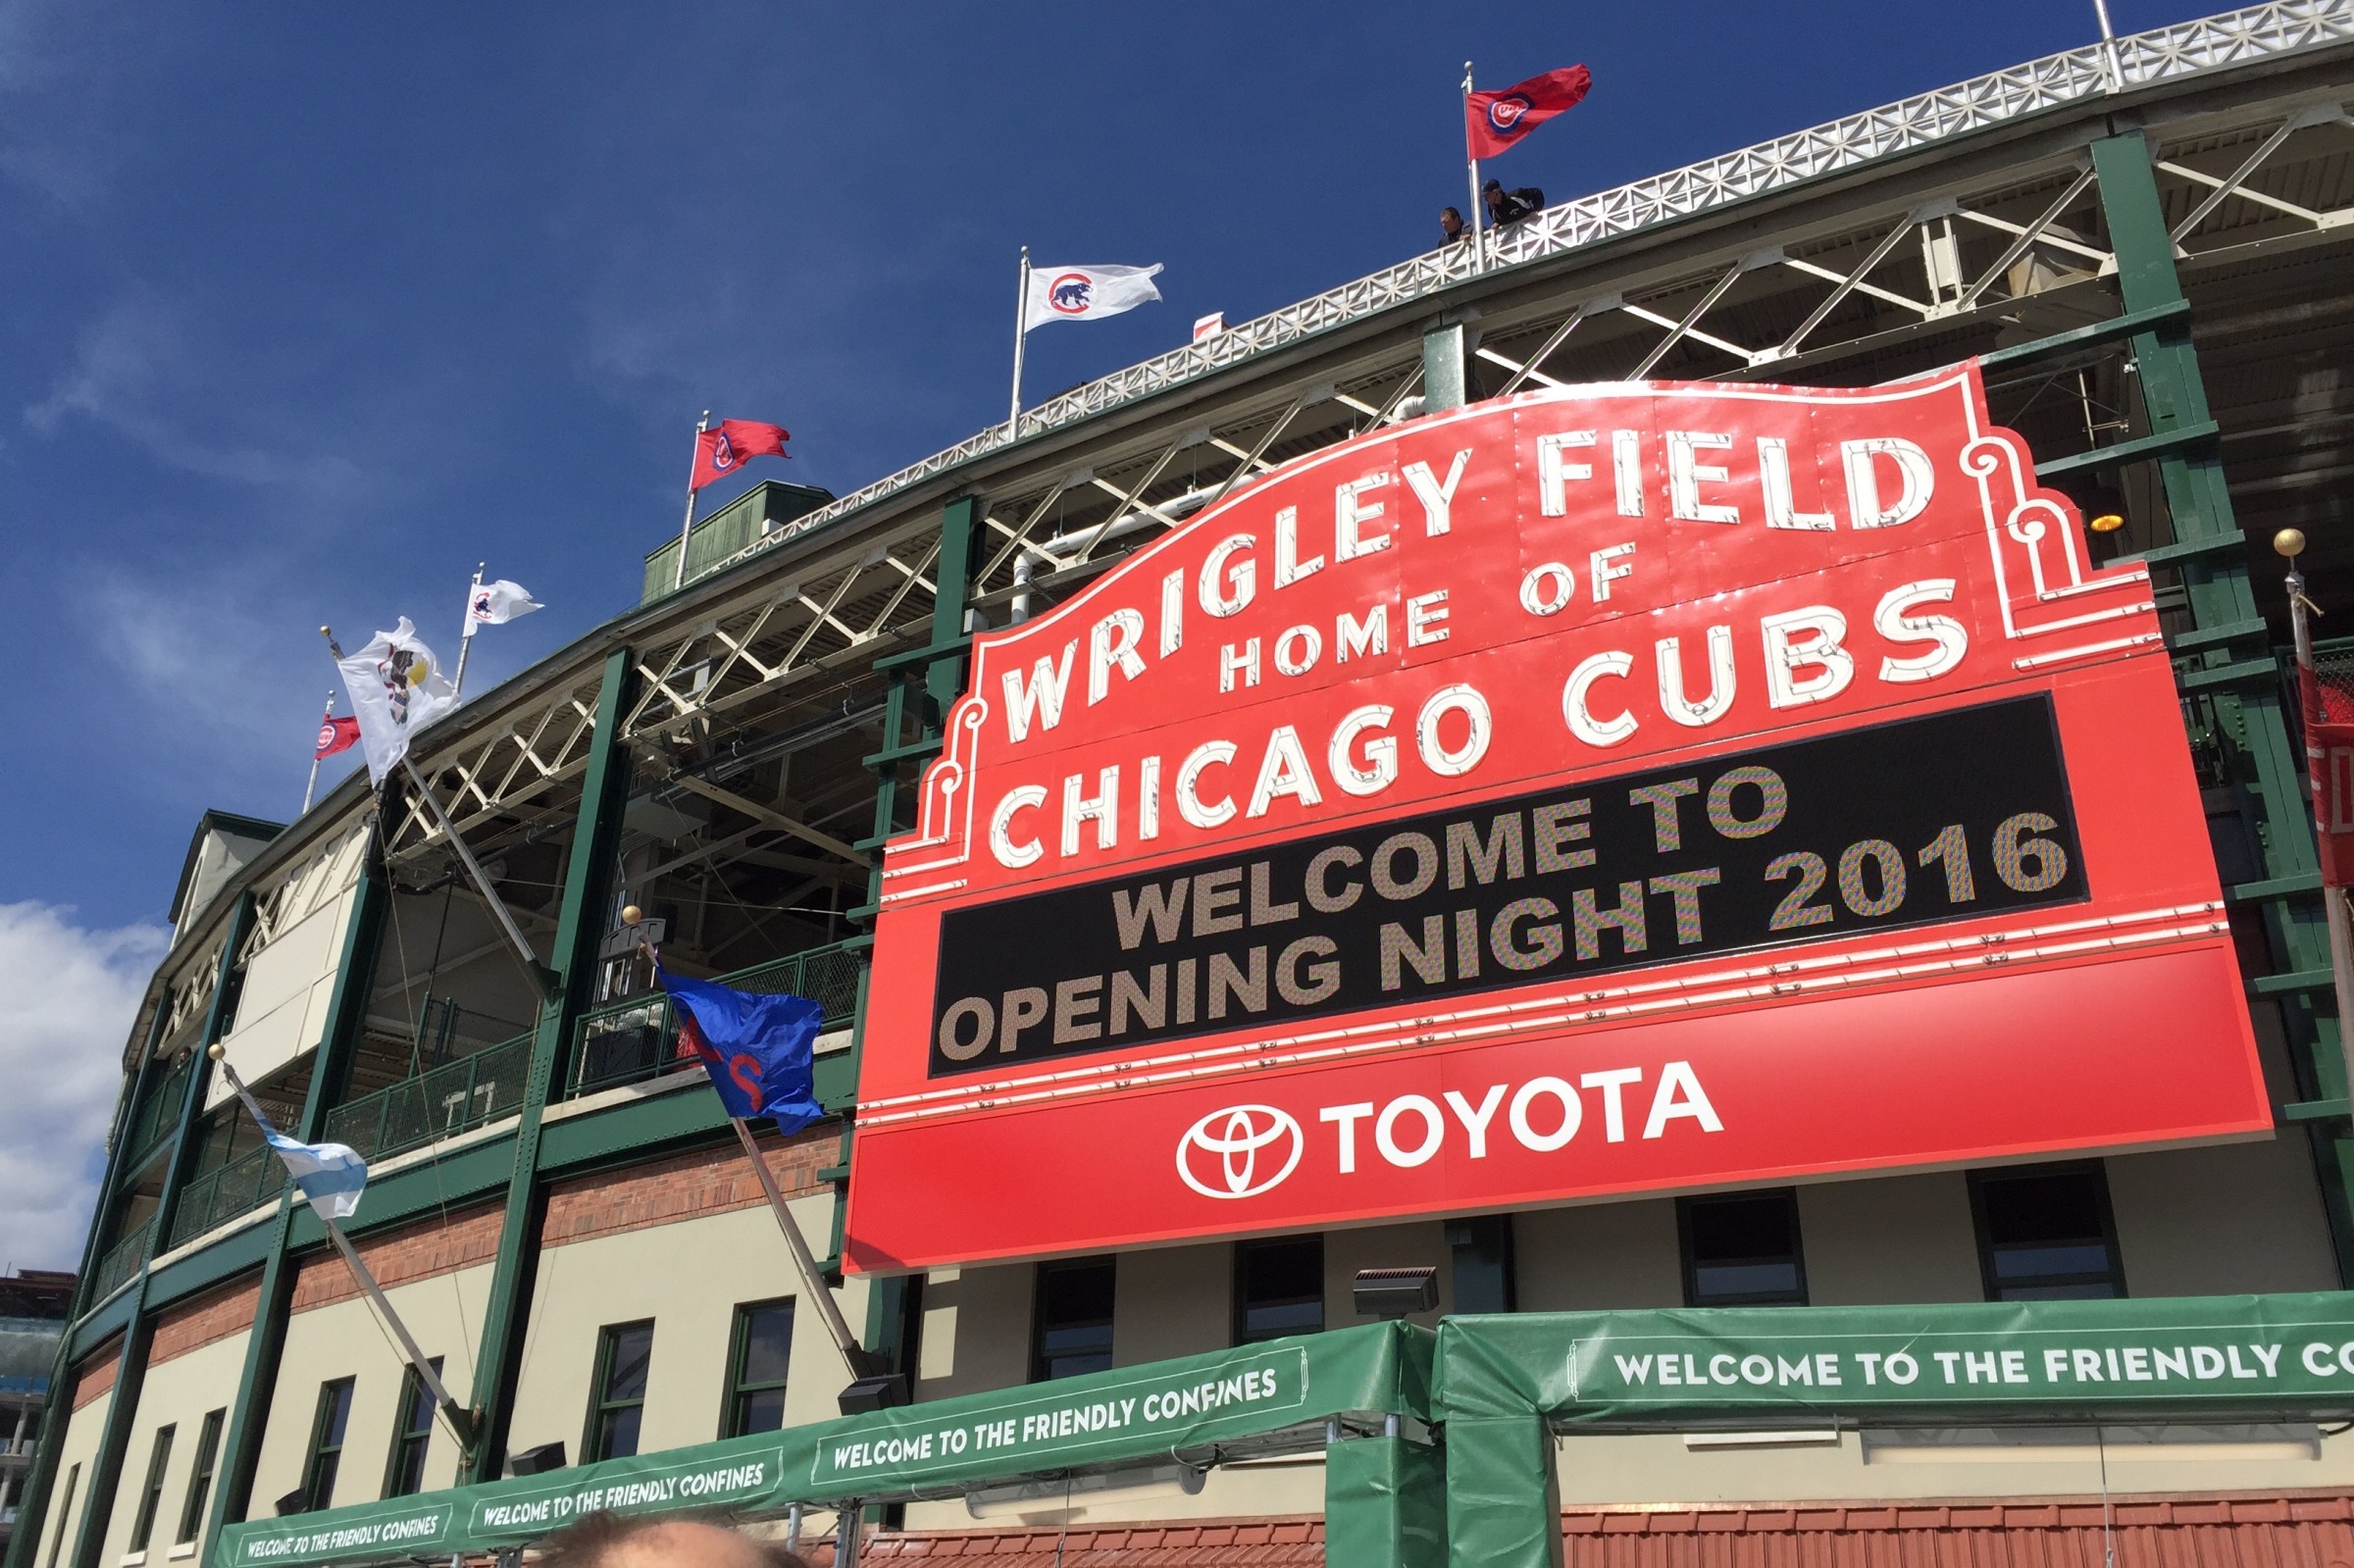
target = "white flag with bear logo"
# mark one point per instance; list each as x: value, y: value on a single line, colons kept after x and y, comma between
x: 397, y: 688
x: 1084, y: 293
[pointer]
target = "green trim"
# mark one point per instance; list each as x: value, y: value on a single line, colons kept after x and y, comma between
x: 2289, y: 887
x: 2295, y: 983
x: 2108, y: 331
x: 2246, y: 672
x: 2212, y: 556
x: 937, y: 648
x: 2315, y: 1111
x: 2133, y: 451
x: 138, y: 1333
x: 2235, y: 631
x: 913, y: 750
x: 257, y: 1383
x: 579, y: 922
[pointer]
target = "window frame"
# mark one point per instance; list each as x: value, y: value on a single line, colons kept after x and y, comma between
x: 734, y: 1393
x: 64, y: 1514
x: 412, y: 1392
x: 1109, y: 1261
x: 319, y: 1451
x: 1689, y: 1264
x: 1980, y: 1230
x: 200, y: 1478
x: 1238, y: 1328
x: 608, y: 1335
x: 151, y: 1493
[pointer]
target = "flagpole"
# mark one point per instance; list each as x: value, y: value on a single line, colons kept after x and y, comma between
x: 853, y: 1355
x: 457, y: 680
x: 461, y: 1420
x: 2290, y: 542
x: 1021, y: 339
x: 544, y: 978
x: 312, y: 787
x: 679, y: 578
x: 1479, y: 233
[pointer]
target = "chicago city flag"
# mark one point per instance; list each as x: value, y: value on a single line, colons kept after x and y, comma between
x: 1084, y: 293
x: 396, y: 688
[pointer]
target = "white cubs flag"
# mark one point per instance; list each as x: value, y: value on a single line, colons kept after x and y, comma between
x: 396, y: 688
x: 1083, y: 294
x: 498, y: 603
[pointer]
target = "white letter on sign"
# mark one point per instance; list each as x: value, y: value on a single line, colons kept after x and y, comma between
x: 1952, y: 639
x: 1240, y: 585
x: 1864, y: 508
x: 1784, y: 657
x: 1022, y: 797
x: 1554, y: 474
x: 1042, y: 700
x: 1113, y: 645
x: 1583, y: 724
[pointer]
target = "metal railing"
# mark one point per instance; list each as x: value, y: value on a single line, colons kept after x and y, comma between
x: 447, y: 1099
x: 245, y: 1183
x: 638, y: 1038
x: 156, y: 1113
x: 121, y: 1261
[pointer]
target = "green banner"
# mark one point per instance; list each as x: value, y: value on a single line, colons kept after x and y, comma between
x: 1103, y: 1420
x: 2289, y: 1354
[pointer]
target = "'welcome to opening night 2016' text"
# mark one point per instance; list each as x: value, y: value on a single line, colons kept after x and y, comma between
x: 1891, y: 825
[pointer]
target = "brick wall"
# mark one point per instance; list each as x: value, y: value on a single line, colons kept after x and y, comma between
x: 417, y: 1251
x: 684, y: 1187
x: 97, y: 1373
x: 207, y: 1318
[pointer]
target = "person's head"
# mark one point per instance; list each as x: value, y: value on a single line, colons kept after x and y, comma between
x: 1451, y: 221
x: 605, y: 1540
x: 1492, y: 193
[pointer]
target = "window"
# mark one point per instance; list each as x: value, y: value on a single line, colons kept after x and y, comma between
x: 327, y: 1444
x: 1278, y: 1288
x: 151, y: 1496
x: 623, y: 1350
x: 412, y: 1432
x: 1742, y: 1249
x: 201, y: 1479
x: 64, y: 1514
x: 756, y: 1362
x: 1071, y: 1323
x: 2046, y: 1234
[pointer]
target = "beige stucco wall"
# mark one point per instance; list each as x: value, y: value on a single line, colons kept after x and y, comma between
x: 345, y: 1340
x: 176, y: 1393
x: 688, y: 1277
x: 79, y: 1435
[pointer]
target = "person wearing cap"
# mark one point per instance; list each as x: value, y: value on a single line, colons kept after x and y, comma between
x: 1508, y: 207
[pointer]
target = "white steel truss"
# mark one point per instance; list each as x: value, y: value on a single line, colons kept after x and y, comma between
x: 2165, y: 55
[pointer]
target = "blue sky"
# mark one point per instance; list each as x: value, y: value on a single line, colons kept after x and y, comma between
x: 308, y: 309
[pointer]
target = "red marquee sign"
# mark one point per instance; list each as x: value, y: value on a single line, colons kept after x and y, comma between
x: 1609, y: 789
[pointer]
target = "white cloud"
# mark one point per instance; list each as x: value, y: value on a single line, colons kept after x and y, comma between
x: 66, y: 999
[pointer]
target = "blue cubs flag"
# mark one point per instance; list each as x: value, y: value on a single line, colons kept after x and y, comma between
x: 757, y: 1049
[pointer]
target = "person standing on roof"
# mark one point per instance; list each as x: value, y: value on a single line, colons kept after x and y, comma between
x: 1508, y: 207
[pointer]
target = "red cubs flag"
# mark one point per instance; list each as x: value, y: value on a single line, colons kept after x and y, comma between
x: 336, y: 734
x: 722, y: 449
x: 2326, y: 685
x: 1495, y: 122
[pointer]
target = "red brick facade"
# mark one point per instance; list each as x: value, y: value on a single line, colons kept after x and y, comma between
x: 204, y: 1321
x: 684, y: 1187
x: 97, y: 1373
x: 2307, y: 1531
x: 417, y: 1251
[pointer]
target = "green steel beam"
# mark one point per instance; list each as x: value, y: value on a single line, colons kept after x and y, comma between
x: 1445, y: 366
x: 33, y: 1506
x: 942, y: 664
x: 346, y: 1009
x: 130, y: 1371
x: 2209, y: 554
x: 579, y: 924
x: 2108, y: 331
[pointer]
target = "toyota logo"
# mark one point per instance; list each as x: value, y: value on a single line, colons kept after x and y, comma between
x: 1243, y: 1150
